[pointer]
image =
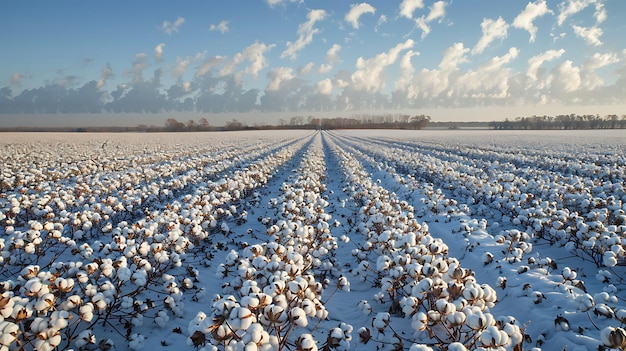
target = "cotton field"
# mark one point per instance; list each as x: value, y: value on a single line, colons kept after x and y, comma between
x: 313, y: 240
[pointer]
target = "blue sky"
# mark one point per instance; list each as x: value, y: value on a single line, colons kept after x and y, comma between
x: 477, y: 59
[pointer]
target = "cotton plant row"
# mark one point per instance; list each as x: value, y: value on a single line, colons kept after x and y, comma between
x: 97, y: 215
x: 516, y: 243
x: 586, y: 215
x: 274, y: 289
x: 448, y: 308
x: 108, y: 194
x: 32, y: 164
x: 109, y: 281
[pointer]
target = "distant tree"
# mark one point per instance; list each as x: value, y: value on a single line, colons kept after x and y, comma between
x: 172, y: 125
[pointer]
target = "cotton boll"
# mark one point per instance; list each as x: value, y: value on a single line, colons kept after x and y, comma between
x: 613, y: 337
x: 161, y: 319
x: 86, y: 337
x: 364, y: 307
x: 456, y: 346
x: 136, y: 341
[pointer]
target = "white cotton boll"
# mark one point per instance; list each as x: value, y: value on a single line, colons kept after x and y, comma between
x: 613, y: 337
x: 364, y: 307
x: 86, y: 312
x: 585, y: 302
x: 609, y: 259
x: 298, y: 317
x: 456, y: 346
x: 420, y: 347
x: 161, y: 319
x: 136, y: 341
x: 306, y: 342
x: 86, y: 337
x: 381, y: 321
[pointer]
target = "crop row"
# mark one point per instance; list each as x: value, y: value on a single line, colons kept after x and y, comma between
x: 274, y: 288
x: 418, y: 279
x: 69, y: 289
x: 594, y: 232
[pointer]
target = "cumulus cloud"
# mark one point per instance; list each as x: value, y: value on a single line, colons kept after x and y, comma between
x: 406, y: 71
x: 221, y: 27
x: 492, y: 30
x: 332, y: 55
x: 324, y: 68
x: 356, y: 11
x: 438, y: 10
x: 370, y: 73
x: 306, y: 69
x: 566, y: 77
x: 106, y: 73
x: 273, y: 3
x: 571, y: 7
x: 590, y: 34
x: 158, y: 52
x: 277, y: 76
x: 431, y: 83
x: 535, y: 62
x: 255, y: 55
x: 590, y: 78
x: 325, y: 87
x: 490, y: 80
x: 208, y: 64
x: 600, y: 13
x: 407, y: 7
x: 305, y: 34
x: 526, y: 18
x: 139, y: 64
x: 169, y: 27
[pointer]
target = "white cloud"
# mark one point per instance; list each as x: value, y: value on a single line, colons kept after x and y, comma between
x: 490, y: 80
x: 370, y: 73
x: 571, y: 7
x: 356, y: 11
x: 181, y: 67
x: 106, y: 73
x: 332, y: 55
x: 532, y: 11
x: 324, y: 68
x: 590, y: 79
x: 492, y: 30
x: 139, y: 64
x: 325, y: 87
x: 567, y: 77
x: 438, y: 10
x: 169, y: 27
x: 382, y: 19
x: 208, y: 64
x: 407, y: 7
x: 255, y: 54
x: 305, y: 34
x: 432, y: 83
x: 536, y: 61
x: 406, y: 71
x: 306, y: 69
x: 600, y: 13
x: 222, y: 27
x: 158, y: 52
x: 277, y: 76
x: 273, y: 3
x: 590, y: 34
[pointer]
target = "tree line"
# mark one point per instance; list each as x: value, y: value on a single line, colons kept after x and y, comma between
x: 564, y: 122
